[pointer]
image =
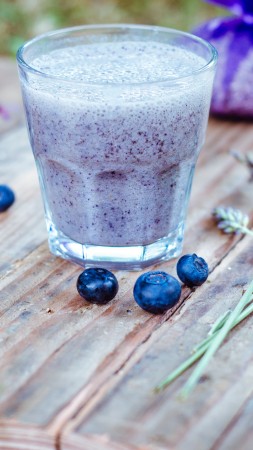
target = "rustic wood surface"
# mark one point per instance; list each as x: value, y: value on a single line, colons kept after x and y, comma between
x: 79, y: 376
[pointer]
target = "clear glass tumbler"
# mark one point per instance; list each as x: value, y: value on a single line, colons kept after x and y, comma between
x: 116, y: 115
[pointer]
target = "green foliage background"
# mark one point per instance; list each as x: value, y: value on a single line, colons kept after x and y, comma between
x: 23, y: 19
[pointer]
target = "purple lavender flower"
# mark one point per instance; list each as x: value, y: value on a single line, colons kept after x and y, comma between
x: 233, y: 38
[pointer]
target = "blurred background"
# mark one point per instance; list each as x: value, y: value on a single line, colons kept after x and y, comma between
x: 23, y: 19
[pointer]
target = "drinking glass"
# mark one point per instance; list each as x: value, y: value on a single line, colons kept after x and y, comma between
x: 116, y: 116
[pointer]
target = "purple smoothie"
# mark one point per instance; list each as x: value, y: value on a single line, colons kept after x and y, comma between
x: 115, y: 145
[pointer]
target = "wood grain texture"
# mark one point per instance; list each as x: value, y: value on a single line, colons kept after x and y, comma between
x: 14, y: 435
x: 79, y: 376
x: 22, y: 227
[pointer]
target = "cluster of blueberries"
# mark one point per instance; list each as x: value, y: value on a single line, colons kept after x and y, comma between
x: 7, y: 197
x: 154, y: 291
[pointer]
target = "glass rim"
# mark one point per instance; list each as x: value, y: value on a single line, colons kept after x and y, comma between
x: 64, y: 31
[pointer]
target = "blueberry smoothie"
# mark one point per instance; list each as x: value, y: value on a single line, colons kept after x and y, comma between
x: 115, y: 137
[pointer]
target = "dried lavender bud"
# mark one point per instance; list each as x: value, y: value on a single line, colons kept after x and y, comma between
x: 231, y: 220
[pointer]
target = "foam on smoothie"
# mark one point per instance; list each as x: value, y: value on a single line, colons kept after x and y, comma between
x: 119, y: 62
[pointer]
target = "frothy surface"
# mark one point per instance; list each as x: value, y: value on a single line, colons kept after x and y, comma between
x: 119, y: 62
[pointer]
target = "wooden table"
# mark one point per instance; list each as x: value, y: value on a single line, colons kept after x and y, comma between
x: 77, y: 376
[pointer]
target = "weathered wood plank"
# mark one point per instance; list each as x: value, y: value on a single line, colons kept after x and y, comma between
x: 95, y: 442
x: 239, y: 433
x: 131, y: 410
x: 225, y: 137
x: 15, y: 436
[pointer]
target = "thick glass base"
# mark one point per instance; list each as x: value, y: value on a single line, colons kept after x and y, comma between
x: 135, y: 257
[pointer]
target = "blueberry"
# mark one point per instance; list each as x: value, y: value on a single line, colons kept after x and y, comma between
x: 97, y: 285
x: 192, y: 270
x: 156, y: 292
x: 7, y: 197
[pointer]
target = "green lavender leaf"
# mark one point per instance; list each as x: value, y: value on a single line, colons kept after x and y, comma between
x: 208, y: 346
x: 217, y: 341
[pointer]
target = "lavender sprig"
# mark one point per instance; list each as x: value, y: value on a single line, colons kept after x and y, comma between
x: 211, y: 343
x: 217, y: 340
x: 246, y: 160
x: 232, y: 220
